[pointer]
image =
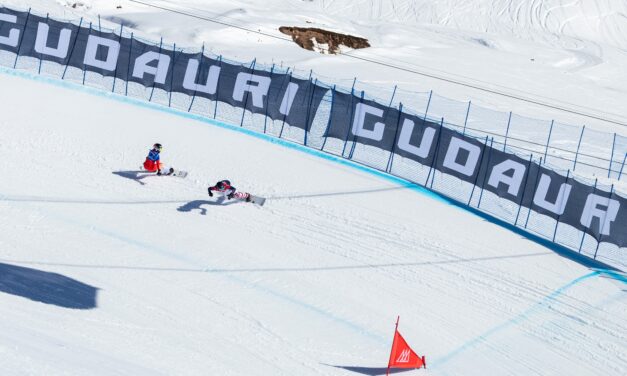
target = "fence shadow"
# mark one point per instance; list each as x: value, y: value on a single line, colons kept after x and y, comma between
x: 133, y: 175
x: 198, y: 205
x: 311, y: 269
x: 46, y: 287
x: 372, y: 371
x: 340, y: 193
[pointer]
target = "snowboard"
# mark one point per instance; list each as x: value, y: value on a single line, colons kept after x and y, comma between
x: 177, y: 173
x: 257, y: 200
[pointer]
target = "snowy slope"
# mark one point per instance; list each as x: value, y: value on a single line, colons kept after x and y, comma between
x: 569, y: 54
x: 310, y: 284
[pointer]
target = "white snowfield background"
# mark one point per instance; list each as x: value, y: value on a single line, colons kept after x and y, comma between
x: 311, y: 283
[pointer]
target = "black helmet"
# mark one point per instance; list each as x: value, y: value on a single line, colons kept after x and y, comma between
x: 157, y: 147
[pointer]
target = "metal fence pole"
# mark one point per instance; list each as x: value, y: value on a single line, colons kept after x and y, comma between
x: 215, y: 106
x: 285, y: 115
x: 173, y: 63
x: 115, y: 72
x: 21, y: 39
x: 524, y: 184
x: 393, y: 93
x: 485, y: 144
x: 128, y: 64
x: 72, y: 49
x: 41, y: 53
x: 621, y: 167
x: 428, y: 104
x: 388, y: 167
x: 326, y: 131
x: 84, y: 68
x: 350, y: 119
x: 350, y: 154
x: 313, y: 91
x: 559, y: 216
x: 533, y: 192
x: 578, y: 146
x: 594, y: 189
x: 466, y: 119
x: 602, y: 226
x: 548, y: 140
x: 486, y: 175
x: 509, y: 121
x: 609, y: 169
x: 154, y: 81
x: 252, y: 66
x: 202, y: 52
x: 435, y: 154
x: 265, y: 119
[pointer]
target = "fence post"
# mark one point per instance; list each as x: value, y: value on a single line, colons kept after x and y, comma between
x: 202, y: 53
x: 428, y: 104
x: 252, y: 66
x: 388, y: 167
x: 84, y: 69
x: 548, y: 140
x: 507, y: 130
x: 486, y: 175
x: 41, y: 53
x: 392, y: 99
x: 621, y: 167
x: 350, y: 119
x: 485, y: 144
x: 435, y: 154
x: 289, y: 80
x: 609, y: 170
x: 154, y: 82
x: 115, y: 72
x: 313, y: 91
x: 524, y: 184
x: 173, y: 62
x: 265, y: 119
x: 215, y: 108
x: 19, y: 44
x: 326, y: 131
x: 72, y: 49
x: 602, y: 226
x: 560, y: 216
x: 128, y: 65
x: 466, y: 119
x: 350, y: 154
x: 533, y: 193
x: 578, y: 146
x: 594, y: 189
x: 99, y: 26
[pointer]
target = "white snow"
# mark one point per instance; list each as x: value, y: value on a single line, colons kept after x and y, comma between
x: 311, y: 283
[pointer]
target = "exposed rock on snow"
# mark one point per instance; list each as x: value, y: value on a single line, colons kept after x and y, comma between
x: 323, y: 41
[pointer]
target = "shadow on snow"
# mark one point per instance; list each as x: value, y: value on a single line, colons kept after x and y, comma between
x: 46, y: 287
x: 282, y: 269
x: 372, y: 371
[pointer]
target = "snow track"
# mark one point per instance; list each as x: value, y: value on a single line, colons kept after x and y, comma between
x: 310, y: 284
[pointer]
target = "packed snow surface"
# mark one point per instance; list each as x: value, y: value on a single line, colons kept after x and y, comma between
x: 102, y: 272
x: 105, y: 273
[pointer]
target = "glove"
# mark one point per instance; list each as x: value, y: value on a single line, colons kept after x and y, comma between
x: 209, y: 190
x: 159, y: 172
x: 230, y: 196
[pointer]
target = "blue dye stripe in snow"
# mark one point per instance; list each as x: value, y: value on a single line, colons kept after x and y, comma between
x: 544, y: 303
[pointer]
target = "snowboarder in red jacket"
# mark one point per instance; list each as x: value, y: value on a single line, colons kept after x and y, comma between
x: 225, y: 188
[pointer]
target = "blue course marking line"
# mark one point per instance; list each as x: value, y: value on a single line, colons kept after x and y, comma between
x: 557, y: 248
x: 544, y: 303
